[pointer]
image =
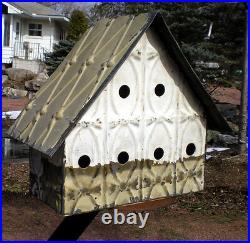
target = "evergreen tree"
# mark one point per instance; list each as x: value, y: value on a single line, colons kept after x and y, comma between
x: 190, y: 24
x: 60, y: 51
x: 78, y: 25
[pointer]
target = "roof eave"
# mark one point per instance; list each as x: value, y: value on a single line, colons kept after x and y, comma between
x: 18, y: 11
x: 34, y: 15
x: 41, y: 16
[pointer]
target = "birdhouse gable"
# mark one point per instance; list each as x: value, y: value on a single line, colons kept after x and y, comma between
x: 90, y: 66
x: 146, y: 108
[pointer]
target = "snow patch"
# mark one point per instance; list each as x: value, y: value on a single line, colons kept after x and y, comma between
x: 10, y: 114
x: 215, y: 149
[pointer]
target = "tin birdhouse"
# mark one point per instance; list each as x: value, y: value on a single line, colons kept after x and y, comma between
x: 122, y: 120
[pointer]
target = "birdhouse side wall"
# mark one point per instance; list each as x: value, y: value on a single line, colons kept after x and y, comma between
x: 143, y: 138
x: 47, y: 178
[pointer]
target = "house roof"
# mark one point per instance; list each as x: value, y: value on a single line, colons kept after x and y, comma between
x: 36, y: 9
x: 92, y: 63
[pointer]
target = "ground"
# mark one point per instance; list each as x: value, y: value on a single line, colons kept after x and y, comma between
x: 224, y: 95
x: 10, y: 104
x: 217, y: 213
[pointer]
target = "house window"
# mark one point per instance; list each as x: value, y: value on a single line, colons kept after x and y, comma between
x: 35, y: 30
x: 6, y: 40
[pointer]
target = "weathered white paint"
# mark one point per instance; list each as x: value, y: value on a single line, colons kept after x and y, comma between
x: 143, y: 121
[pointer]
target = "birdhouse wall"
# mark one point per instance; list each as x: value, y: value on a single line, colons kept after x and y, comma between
x: 142, y: 138
x: 47, y: 177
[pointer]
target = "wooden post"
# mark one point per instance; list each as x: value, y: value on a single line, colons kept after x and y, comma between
x: 244, y: 97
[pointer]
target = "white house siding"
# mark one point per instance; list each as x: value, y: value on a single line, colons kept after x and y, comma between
x: 7, y: 51
x: 143, y: 121
x: 7, y: 54
x: 45, y: 41
x: 47, y: 38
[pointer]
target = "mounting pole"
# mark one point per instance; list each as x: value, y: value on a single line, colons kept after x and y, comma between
x: 73, y: 226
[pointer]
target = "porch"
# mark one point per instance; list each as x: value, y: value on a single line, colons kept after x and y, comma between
x: 24, y: 50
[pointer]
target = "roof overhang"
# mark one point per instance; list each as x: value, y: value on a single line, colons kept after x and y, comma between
x: 14, y: 10
x: 55, y: 17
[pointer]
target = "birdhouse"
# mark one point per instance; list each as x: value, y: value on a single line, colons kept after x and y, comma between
x: 122, y: 120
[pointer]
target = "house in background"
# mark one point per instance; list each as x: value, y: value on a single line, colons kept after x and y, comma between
x: 29, y: 30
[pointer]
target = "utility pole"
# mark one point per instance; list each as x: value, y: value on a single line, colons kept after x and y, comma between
x: 244, y: 96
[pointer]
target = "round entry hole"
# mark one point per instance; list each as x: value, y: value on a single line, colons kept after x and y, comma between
x: 159, y: 89
x: 123, y: 157
x: 84, y: 161
x: 124, y: 91
x: 158, y: 153
x: 190, y: 149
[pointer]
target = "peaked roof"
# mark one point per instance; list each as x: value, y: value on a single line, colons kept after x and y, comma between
x: 91, y: 64
x: 35, y: 8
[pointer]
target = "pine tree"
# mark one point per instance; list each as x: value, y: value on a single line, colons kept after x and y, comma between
x: 190, y: 24
x: 60, y: 51
x: 78, y: 25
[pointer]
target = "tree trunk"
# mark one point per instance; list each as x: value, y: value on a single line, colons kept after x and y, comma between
x: 244, y: 98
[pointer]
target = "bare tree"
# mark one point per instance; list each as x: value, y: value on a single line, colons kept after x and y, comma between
x: 244, y: 98
x: 66, y: 8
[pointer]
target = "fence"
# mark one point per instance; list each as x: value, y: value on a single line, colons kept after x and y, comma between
x: 29, y: 51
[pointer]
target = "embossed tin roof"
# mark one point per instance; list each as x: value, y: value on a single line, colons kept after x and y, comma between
x: 60, y: 103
